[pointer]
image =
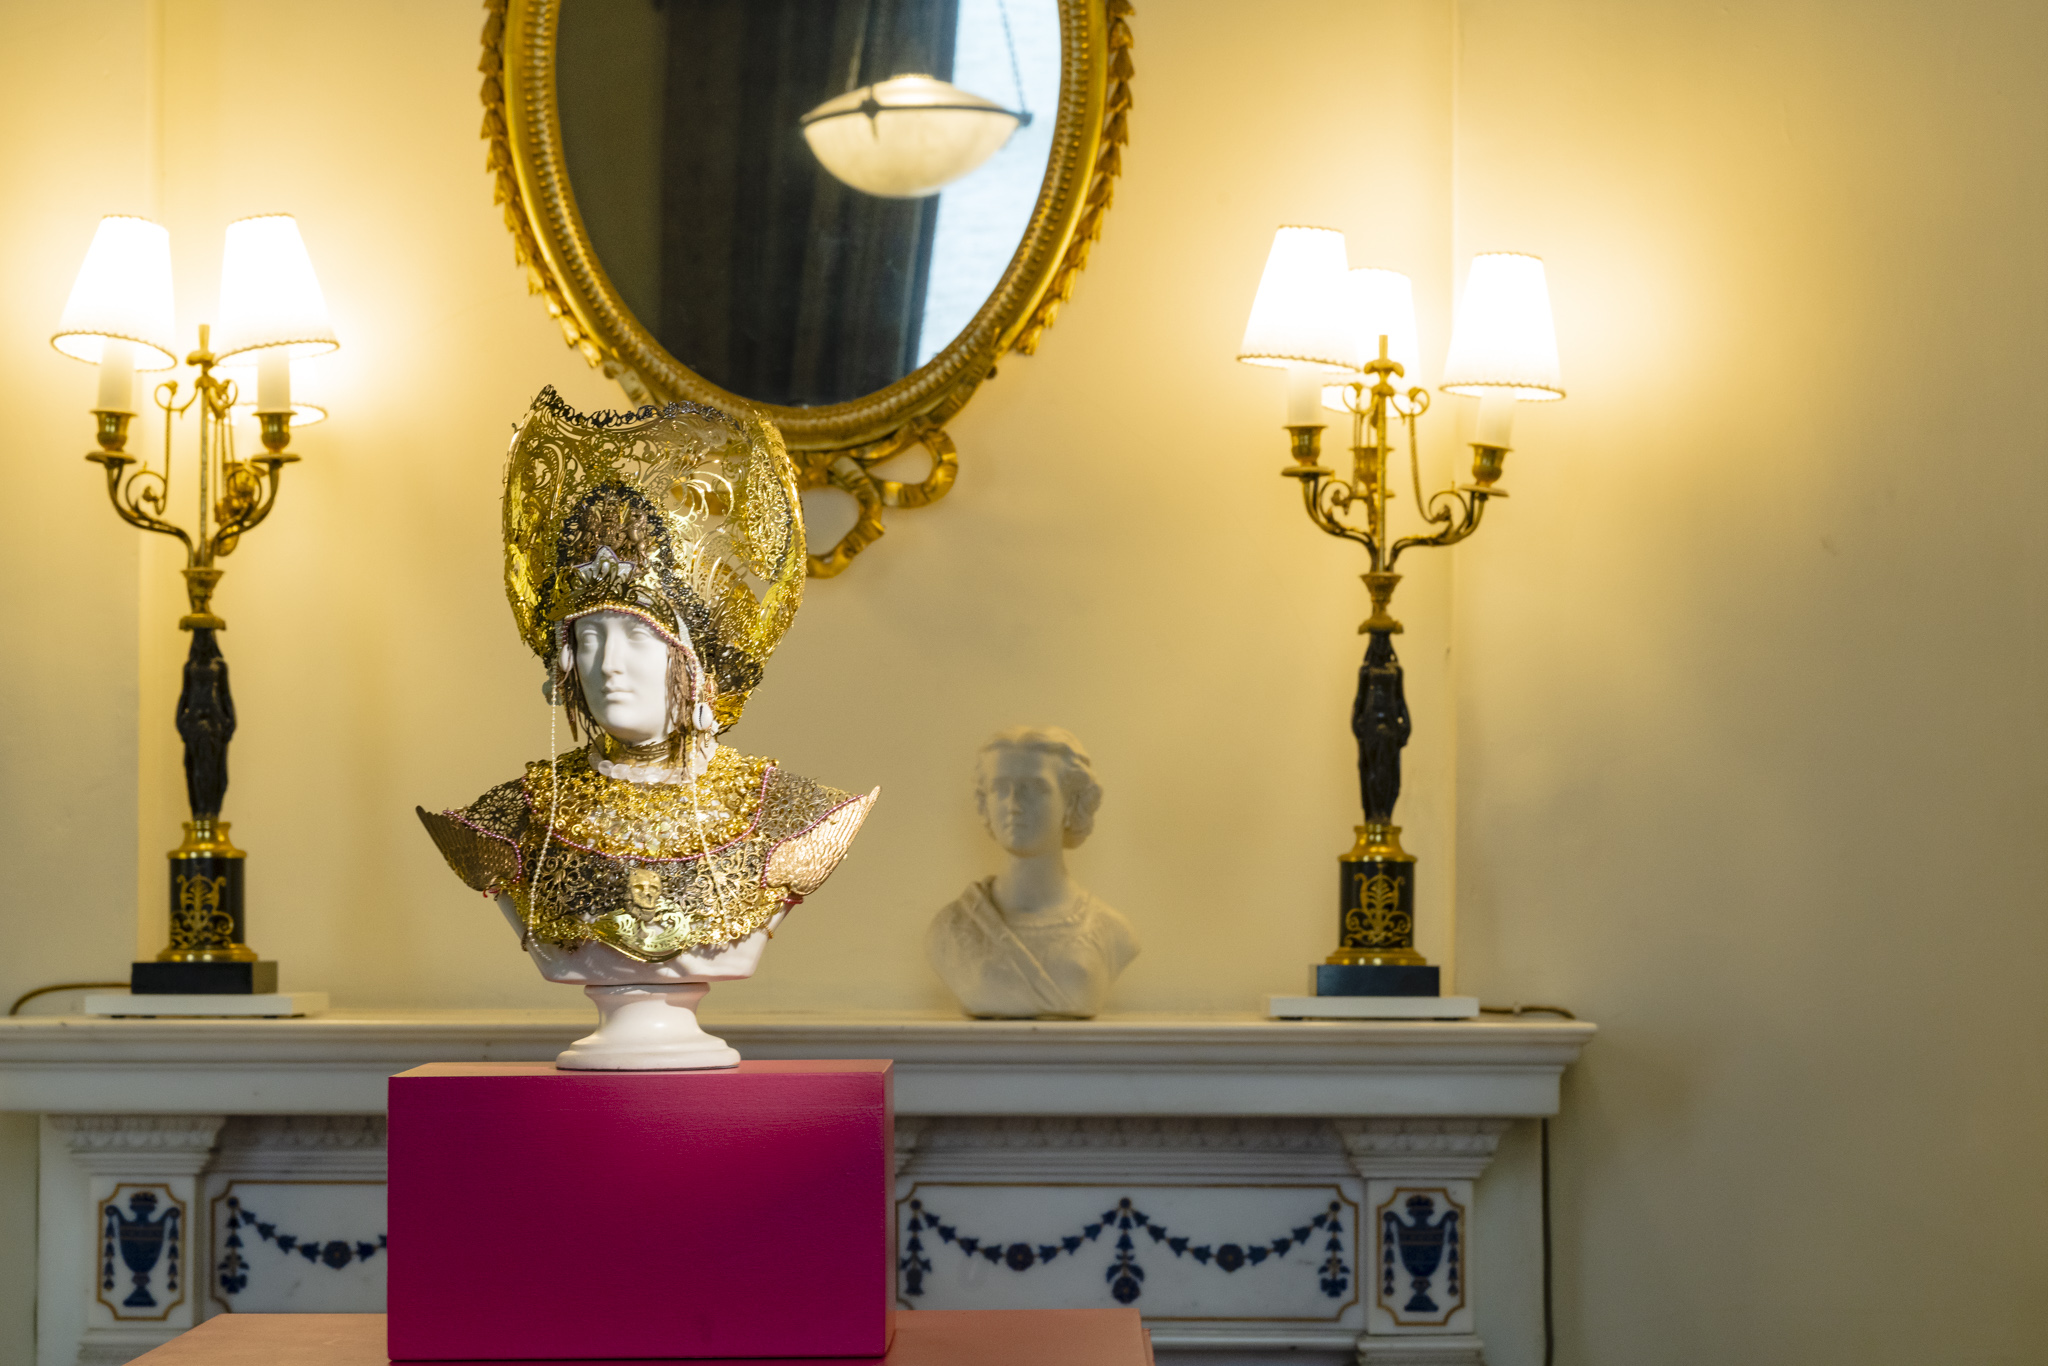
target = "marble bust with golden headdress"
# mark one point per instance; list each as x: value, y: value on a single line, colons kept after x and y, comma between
x: 653, y: 560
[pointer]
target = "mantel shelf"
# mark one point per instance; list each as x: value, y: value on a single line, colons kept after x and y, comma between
x: 946, y: 1065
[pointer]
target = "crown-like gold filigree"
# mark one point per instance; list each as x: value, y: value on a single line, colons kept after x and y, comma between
x: 686, y: 517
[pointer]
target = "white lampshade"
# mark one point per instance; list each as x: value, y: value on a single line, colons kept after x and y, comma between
x: 123, y: 290
x: 906, y: 137
x: 269, y: 295
x: 1298, y: 315
x: 1504, y: 342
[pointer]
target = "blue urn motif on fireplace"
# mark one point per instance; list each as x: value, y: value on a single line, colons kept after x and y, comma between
x: 141, y: 1238
x: 1423, y: 1247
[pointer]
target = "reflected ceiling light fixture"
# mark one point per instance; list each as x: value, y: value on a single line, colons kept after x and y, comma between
x: 911, y: 135
x: 1314, y: 315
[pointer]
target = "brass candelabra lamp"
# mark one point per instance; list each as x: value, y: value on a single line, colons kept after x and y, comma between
x: 120, y: 316
x: 1346, y: 338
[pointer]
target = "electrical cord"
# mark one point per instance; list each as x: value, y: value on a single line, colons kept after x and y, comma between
x: 1520, y: 1009
x: 28, y: 996
x: 1549, y: 1325
x: 1549, y: 1318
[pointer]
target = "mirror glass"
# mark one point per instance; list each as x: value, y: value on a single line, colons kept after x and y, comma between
x: 697, y: 136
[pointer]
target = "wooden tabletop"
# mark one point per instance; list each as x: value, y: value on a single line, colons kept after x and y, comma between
x: 928, y: 1337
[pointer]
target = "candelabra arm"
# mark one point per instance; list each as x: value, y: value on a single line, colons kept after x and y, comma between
x: 240, y: 509
x: 140, y: 498
x: 1470, y: 501
x: 1323, y: 497
x: 1471, y: 507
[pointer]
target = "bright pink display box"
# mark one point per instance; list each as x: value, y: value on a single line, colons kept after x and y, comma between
x: 546, y: 1215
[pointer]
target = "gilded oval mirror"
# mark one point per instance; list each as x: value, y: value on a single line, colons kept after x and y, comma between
x: 838, y: 212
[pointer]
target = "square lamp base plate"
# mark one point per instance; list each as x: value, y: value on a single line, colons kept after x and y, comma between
x: 267, y: 1004
x: 1372, y: 1007
x: 203, y: 979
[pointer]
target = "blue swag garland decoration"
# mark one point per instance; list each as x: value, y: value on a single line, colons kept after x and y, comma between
x: 1124, y: 1274
x: 332, y: 1252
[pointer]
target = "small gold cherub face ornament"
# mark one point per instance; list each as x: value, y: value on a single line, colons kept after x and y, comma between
x: 643, y: 889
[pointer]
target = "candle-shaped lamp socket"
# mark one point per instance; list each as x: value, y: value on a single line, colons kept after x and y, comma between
x: 117, y: 377
x: 1305, y: 395
x: 1496, y: 422
x: 273, y: 380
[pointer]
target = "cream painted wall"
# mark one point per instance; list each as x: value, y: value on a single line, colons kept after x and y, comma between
x: 1746, y: 714
x: 1751, y: 719
x: 1119, y: 556
x: 67, y: 730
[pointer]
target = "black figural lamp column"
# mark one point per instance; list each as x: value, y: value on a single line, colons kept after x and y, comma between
x: 120, y: 317
x: 1347, y: 339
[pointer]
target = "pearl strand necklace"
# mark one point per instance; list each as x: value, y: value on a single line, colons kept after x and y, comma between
x: 702, y: 744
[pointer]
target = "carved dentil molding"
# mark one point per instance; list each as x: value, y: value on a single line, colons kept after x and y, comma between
x: 138, y: 1133
x: 302, y: 1147
x: 301, y: 1132
x: 1032, y: 1133
x: 1126, y: 1148
x: 139, y: 1145
x: 1402, y: 1148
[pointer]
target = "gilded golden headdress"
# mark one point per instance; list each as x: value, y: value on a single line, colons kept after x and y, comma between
x: 686, y: 517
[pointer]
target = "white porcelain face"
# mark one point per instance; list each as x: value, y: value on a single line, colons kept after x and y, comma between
x: 1021, y: 797
x: 623, y: 666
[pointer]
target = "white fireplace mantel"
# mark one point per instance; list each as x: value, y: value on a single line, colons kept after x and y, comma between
x: 1225, y: 1130
x: 945, y: 1065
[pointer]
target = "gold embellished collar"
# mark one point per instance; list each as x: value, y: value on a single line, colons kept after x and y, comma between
x: 669, y: 820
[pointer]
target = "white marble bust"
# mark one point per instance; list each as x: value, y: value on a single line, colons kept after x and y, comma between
x: 1030, y: 941
x: 646, y: 1011
x: 647, y: 1007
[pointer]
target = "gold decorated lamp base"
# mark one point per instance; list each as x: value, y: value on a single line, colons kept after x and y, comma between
x: 1376, y: 902
x: 1375, y: 954
x: 206, y: 898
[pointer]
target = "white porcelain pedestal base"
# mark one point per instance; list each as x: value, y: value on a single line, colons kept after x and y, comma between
x: 647, y: 1029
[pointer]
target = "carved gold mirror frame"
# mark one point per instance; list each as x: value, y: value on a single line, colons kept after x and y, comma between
x: 839, y: 445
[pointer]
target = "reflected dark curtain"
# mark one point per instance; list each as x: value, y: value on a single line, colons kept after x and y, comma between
x: 778, y: 282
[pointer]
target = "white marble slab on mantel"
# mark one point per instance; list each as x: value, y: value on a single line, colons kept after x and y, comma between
x: 946, y: 1065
